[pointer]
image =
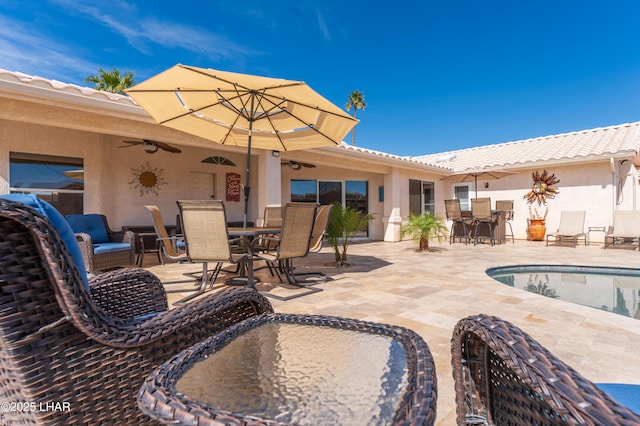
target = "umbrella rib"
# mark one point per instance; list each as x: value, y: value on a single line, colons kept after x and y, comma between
x: 224, y: 80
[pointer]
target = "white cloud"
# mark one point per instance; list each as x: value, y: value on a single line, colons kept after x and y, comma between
x: 323, y: 26
x: 141, y: 31
x: 30, y: 52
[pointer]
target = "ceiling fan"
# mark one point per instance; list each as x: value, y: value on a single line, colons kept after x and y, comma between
x: 297, y: 165
x: 151, y: 147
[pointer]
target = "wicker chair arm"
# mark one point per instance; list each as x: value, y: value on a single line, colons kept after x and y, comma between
x: 121, y: 236
x: 208, y: 315
x: 128, y: 293
x: 84, y: 238
x: 503, y: 376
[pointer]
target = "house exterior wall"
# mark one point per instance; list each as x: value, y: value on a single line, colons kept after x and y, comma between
x: 66, y: 123
x: 109, y: 170
x: 598, y: 188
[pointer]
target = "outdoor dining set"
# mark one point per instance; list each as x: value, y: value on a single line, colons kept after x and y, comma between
x: 108, y: 346
x: 481, y: 222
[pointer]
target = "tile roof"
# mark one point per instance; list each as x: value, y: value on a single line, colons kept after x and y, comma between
x: 583, y: 146
x: 392, y: 157
x: 8, y: 77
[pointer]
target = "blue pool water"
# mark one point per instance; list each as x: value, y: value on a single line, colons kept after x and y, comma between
x: 614, y: 290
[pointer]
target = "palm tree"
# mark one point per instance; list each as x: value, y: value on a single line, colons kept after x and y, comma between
x: 356, y: 100
x: 111, y: 81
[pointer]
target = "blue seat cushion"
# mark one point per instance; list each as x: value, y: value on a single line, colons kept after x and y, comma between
x: 92, y: 224
x: 110, y: 247
x: 60, y: 224
x: 626, y: 394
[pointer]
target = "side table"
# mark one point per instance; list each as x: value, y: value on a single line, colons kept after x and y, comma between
x: 304, y: 369
x: 591, y: 229
x: 142, y: 249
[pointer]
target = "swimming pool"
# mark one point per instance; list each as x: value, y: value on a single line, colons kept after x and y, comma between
x: 614, y: 290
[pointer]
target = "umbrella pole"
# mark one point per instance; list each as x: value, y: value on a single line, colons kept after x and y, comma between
x: 476, y: 184
x: 247, y: 189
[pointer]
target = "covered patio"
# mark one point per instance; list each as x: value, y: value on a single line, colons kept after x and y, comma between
x: 430, y: 292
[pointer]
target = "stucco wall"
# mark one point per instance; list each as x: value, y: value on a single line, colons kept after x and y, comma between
x: 590, y: 187
x: 109, y: 169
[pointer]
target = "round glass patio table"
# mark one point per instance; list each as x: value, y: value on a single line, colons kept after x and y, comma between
x: 297, y: 369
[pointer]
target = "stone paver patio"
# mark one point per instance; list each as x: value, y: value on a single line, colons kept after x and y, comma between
x: 429, y: 292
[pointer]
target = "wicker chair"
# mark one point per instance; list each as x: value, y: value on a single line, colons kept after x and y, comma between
x: 102, y: 248
x: 504, y: 377
x: 61, y: 343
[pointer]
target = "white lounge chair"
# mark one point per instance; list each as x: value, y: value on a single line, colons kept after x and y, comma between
x: 571, y: 228
x: 626, y: 228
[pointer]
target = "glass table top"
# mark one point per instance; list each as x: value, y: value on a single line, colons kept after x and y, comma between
x: 303, y: 374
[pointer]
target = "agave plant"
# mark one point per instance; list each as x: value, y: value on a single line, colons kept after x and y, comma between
x: 423, y: 227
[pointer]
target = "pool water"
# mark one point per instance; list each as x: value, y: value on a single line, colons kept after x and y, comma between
x: 614, y: 290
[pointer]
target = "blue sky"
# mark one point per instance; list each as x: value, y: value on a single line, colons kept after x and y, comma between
x: 437, y: 75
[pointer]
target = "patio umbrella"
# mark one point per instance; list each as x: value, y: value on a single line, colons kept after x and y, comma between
x: 242, y: 110
x: 475, y: 174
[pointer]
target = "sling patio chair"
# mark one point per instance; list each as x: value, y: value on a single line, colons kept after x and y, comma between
x: 170, y: 247
x: 460, y: 225
x: 88, y: 343
x: 482, y: 216
x: 293, y: 242
x: 317, y: 237
x: 204, y: 225
x: 571, y: 228
x: 502, y: 376
x: 625, y: 231
x: 506, y: 206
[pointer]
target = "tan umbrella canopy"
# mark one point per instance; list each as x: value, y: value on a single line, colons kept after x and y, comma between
x: 242, y: 110
x: 475, y: 174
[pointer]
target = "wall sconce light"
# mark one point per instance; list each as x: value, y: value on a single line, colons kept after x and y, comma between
x: 275, y: 153
x: 486, y: 185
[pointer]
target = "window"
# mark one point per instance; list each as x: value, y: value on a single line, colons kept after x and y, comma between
x: 57, y: 180
x: 329, y: 192
x: 421, y: 197
x: 304, y: 191
x: 461, y: 192
x: 351, y: 193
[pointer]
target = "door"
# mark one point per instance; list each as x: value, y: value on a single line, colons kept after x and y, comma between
x: 202, y: 186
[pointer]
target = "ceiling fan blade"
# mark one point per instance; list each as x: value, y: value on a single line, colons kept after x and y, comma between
x: 168, y: 147
x: 297, y: 165
x: 131, y: 143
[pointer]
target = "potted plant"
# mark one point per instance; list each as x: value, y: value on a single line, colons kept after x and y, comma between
x: 344, y: 224
x: 423, y: 227
x: 543, y: 188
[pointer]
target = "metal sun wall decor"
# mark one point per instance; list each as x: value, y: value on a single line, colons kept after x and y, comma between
x: 542, y: 188
x: 147, y: 179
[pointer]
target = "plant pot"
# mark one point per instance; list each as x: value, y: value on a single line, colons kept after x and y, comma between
x: 536, y: 229
x: 424, y: 244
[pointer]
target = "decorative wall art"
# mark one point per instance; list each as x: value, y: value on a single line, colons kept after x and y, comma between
x: 542, y: 188
x: 233, y: 187
x: 147, y: 179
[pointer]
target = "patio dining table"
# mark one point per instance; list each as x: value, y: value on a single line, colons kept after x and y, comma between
x: 297, y: 369
x: 248, y: 234
x: 499, y: 230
